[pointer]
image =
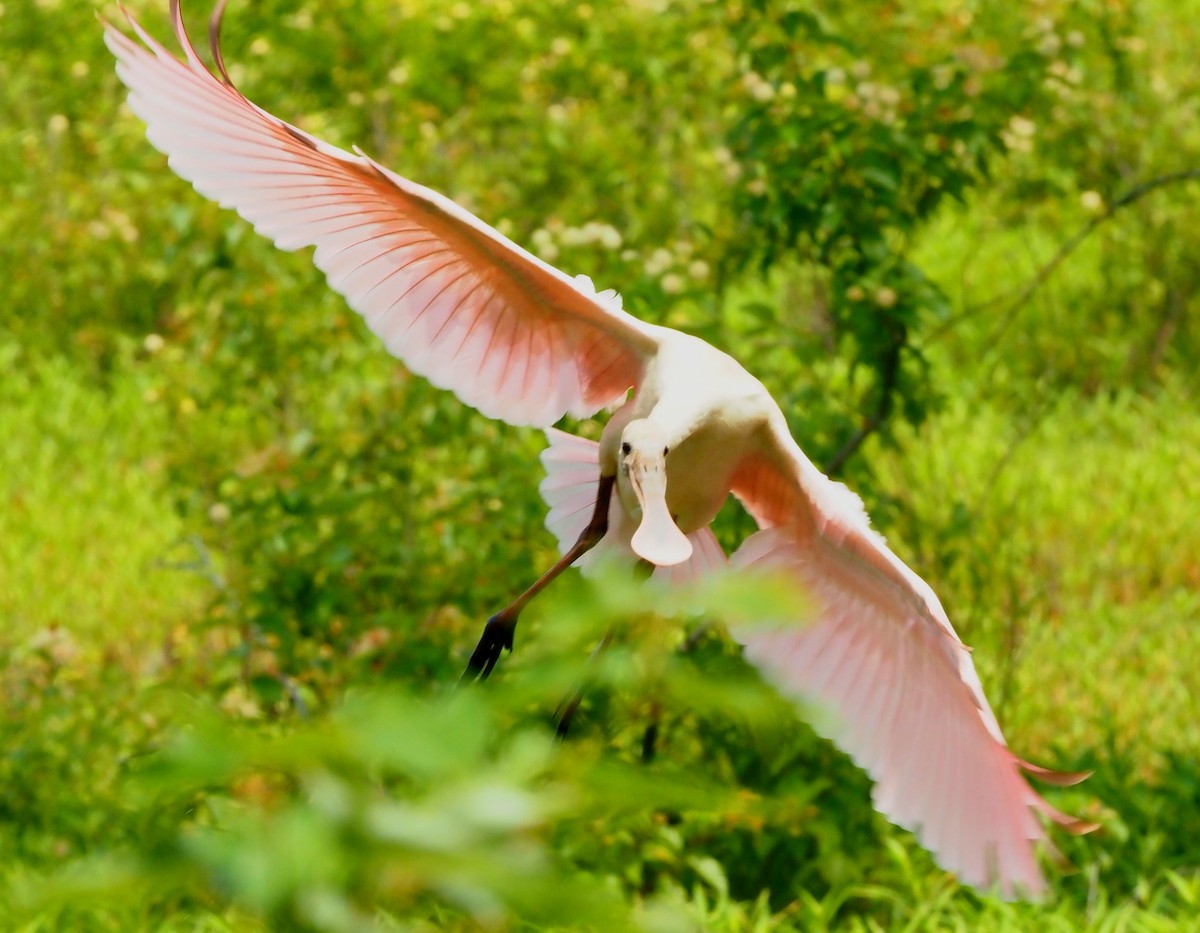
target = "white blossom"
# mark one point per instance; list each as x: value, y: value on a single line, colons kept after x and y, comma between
x: 1050, y: 44
x: 672, y: 283
x: 1022, y: 126
x: 610, y: 237
x: 660, y: 261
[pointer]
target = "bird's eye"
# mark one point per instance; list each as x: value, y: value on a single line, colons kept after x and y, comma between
x: 666, y: 450
x: 625, y: 448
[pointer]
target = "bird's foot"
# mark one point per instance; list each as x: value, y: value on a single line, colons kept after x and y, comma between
x: 497, y: 636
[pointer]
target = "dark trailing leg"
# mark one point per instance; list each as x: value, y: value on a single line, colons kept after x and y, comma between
x: 565, y: 713
x: 650, y: 736
x: 566, y: 709
x: 498, y: 632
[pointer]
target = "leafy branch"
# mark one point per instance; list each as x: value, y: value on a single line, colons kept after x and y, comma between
x: 890, y: 366
x: 1072, y: 243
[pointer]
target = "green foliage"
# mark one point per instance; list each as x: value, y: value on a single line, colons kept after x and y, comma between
x: 841, y: 164
x: 243, y: 554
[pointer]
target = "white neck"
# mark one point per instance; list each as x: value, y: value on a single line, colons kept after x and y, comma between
x: 676, y: 416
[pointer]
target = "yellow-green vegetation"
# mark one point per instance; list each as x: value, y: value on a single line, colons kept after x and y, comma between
x: 243, y: 554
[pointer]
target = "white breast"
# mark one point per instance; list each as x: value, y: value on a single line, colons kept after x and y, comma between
x: 726, y: 407
x: 720, y: 407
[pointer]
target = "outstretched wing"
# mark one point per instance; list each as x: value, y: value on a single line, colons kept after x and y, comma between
x: 454, y: 299
x: 882, y: 658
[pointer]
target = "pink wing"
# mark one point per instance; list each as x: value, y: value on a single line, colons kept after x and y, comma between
x: 882, y: 658
x: 572, y: 466
x: 455, y: 300
x: 572, y: 475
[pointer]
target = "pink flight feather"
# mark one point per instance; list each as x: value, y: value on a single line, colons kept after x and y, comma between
x: 454, y: 299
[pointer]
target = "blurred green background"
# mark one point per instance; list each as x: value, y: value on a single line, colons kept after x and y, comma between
x: 244, y: 554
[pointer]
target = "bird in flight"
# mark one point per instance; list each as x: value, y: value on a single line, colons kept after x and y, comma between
x: 473, y: 312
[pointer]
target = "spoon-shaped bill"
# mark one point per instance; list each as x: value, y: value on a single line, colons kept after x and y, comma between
x: 658, y: 539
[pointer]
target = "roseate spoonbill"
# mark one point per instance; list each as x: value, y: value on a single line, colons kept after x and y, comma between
x: 473, y: 312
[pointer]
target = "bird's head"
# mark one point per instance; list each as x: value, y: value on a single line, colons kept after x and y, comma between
x: 643, y: 463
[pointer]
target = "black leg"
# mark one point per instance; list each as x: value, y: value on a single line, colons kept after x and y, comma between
x: 650, y: 736
x: 565, y: 713
x: 566, y: 709
x: 498, y: 632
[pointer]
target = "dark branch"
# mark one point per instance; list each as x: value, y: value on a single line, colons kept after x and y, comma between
x: 889, y: 376
x: 1026, y: 291
x: 890, y: 370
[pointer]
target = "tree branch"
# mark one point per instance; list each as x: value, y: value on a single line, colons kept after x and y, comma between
x: 890, y: 370
x: 1026, y: 291
x: 889, y: 374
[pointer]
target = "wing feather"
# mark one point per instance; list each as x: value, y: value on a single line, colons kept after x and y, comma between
x: 882, y: 658
x: 453, y: 298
